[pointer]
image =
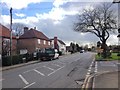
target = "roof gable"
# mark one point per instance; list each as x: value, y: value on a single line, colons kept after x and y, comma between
x: 5, y: 32
x: 33, y: 34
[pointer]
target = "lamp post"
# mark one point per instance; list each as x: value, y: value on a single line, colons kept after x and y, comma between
x: 11, y: 35
x: 17, y: 38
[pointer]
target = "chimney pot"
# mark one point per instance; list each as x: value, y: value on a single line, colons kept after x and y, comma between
x: 25, y: 29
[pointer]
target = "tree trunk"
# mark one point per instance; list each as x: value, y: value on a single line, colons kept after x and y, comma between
x: 104, y: 47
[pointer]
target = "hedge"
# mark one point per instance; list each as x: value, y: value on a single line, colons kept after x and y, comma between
x: 17, y: 59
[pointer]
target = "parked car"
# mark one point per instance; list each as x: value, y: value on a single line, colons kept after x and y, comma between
x: 48, y: 54
x: 81, y: 51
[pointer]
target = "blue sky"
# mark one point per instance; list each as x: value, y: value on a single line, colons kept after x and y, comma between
x: 53, y: 18
x: 31, y: 10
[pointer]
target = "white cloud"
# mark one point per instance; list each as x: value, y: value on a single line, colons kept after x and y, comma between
x: 5, y: 19
x: 58, y: 3
x: 20, y: 15
x: 113, y: 40
x: 19, y: 4
x: 54, y: 14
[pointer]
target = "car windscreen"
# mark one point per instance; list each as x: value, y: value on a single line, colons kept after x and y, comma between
x: 49, y: 51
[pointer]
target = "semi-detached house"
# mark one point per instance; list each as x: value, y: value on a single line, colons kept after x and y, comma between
x: 5, y: 41
x: 33, y: 40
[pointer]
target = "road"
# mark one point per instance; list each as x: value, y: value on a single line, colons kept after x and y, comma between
x: 68, y: 71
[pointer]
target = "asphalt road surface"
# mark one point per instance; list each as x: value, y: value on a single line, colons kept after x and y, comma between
x: 66, y: 72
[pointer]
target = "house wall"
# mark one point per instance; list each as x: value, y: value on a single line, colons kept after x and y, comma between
x: 0, y: 52
x: 28, y: 44
x: 61, y: 46
x: 32, y: 44
x: 42, y: 45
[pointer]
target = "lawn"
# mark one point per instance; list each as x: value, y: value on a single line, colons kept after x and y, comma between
x: 113, y: 57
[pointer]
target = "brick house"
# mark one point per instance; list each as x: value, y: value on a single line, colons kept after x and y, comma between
x: 5, y: 41
x: 58, y: 44
x: 32, y: 40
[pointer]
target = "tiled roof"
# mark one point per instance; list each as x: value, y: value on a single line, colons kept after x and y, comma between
x: 5, y: 32
x: 33, y: 34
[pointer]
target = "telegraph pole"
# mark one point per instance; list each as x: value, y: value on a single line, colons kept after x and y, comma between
x: 11, y: 35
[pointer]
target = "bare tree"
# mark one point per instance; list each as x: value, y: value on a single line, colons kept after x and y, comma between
x: 99, y: 21
x: 18, y: 27
x: 5, y: 47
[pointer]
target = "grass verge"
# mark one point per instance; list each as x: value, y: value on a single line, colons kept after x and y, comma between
x: 111, y: 58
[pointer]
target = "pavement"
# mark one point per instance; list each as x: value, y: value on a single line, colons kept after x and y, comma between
x: 106, y: 80
x: 106, y: 77
x: 18, y: 65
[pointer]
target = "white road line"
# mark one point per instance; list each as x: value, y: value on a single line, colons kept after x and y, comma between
x: 49, y: 68
x: 88, y: 73
x: 39, y: 72
x: 56, y: 65
x: 55, y: 71
x: 23, y: 79
x: 31, y: 70
x: 27, y: 71
x: 29, y: 85
x: 96, y: 67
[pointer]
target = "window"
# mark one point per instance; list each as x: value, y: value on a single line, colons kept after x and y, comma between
x: 48, y: 42
x: 44, y: 42
x: 38, y: 41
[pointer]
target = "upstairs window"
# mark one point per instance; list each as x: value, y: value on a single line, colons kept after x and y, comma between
x: 48, y: 42
x: 38, y: 41
x: 44, y: 42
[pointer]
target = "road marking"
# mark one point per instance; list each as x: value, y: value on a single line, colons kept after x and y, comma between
x: 29, y: 85
x: 27, y: 71
x: 96, y: 69
x: 89, y: 70
x: 23, y: 79
x: 88, y: 73
x: 39, y: 72
x: 56, y: 65
x: 49, y: 68
x: 31, y: 70
x: 55, y: 71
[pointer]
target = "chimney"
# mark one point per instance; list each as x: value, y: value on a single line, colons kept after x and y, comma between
x: 25, y: 29
x: 55, y: 43
x: 34, y: 28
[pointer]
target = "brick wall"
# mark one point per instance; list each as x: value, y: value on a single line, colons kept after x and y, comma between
x: 32, y: 44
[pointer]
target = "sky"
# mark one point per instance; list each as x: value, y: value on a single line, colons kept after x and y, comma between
x: 53, y: 18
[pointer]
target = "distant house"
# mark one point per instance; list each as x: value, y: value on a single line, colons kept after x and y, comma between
x: 32, y: 40
x: 58, y: 44
x: 5, y: 41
